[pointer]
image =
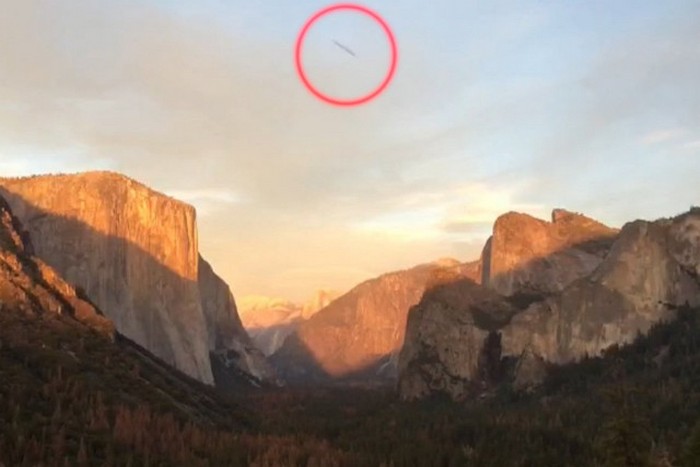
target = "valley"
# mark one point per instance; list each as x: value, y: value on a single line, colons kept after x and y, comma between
x: 565, y: 343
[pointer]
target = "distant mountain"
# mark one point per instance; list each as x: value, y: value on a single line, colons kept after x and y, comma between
x: 258, y: 311
x: 134, y: 253
x: 270, y: 320
x: 358, y: 335
x: 551, y: 292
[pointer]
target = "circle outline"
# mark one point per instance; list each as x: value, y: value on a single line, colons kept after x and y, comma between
x: 300, y: 42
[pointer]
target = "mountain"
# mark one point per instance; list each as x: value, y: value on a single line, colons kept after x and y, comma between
x: 270, y: 320
x: 358, y: 335
x: 73, y: 391
x: 530, y: 256
x: 589, y: 288
x: 72, y: 388
x: 134, y: 252
x: 258, y: 311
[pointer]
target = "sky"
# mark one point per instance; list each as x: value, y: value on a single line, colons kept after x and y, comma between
x: 593, y: 106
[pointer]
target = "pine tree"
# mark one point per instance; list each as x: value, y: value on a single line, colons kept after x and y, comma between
x: 691, y: 450
x: 82, y: 453
x: 624, y: 439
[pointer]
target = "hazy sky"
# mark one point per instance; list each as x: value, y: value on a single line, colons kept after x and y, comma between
x: 520, y: 105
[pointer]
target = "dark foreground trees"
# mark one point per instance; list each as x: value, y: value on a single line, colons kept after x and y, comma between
x: 73, y: 399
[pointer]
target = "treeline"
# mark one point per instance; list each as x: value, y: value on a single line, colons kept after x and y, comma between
x: 638, y: 405
x: 70, y: 397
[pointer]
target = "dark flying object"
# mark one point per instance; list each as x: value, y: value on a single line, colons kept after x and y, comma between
x: 345, y: 48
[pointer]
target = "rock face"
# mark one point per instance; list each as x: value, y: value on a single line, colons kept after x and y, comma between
x: 529, y: 256
x: 650, y: 268
x: 445, y: 336
x: 530, y: 371
x: 134, y: 253
x: 229, y: 344
x: 270, y: 320
x: 360, y: 333
x: 30, y: 285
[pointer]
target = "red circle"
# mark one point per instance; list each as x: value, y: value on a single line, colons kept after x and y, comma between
x: 300, y: 43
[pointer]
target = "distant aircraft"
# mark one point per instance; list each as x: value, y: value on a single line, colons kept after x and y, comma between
x: 345, y: 48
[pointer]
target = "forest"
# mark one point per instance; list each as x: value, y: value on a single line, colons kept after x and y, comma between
x: 69, y: 396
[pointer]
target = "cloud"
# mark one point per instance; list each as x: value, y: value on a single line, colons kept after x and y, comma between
x: 299, y: 195
x: 15, y: 168
x: 207, y: 201
x: 219, y: 196
x: 466, y: 209
x: 591, y: 156
x: 663, y: 135
x: 177, y: 100
x: 17, y: 161
x: 692, y: 145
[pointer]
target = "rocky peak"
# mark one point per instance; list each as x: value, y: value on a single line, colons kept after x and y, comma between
x: 561, y: 216
x: 263, y: 312
x: 526, y: 255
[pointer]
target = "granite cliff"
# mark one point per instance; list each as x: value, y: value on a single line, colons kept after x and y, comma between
x: 586, y: 290
x: 530, y: 256
x: 30, y: 286
x: 134, y: 253
x: 230, y: 346
x: 651, y: 270
x: 359, y: 334
x: 68, y: 380
x: 445, y: 335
